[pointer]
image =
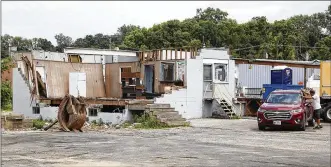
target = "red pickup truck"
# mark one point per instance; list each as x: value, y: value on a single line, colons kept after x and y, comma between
x: 285, y: 108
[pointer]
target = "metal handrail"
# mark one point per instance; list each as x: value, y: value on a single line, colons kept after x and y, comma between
x: 226, y: 98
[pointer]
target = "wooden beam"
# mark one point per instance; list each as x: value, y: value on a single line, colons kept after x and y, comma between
x: 305, y: 78
x: 170, y: 54
x: 166, y: 54
x: 181, y: 54
x: 161, y: 54
x: 176, y: 54
x: 269, y: 63
x: 185, y: 53
x: 114, y: 102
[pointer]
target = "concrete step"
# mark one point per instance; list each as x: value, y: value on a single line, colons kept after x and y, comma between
x: 152, y: 106
x: 165, y: 120
x: 160, y: 110
x: 174, y: 116
x: 176, y: 123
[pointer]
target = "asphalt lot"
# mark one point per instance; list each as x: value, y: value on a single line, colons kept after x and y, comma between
x: 210, y: 142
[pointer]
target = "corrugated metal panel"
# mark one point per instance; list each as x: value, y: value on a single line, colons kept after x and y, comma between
x: 57, y: 77
x: 260, y: 74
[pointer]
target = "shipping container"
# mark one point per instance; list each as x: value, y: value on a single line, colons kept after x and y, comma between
x: 325, y: 78
x: 254, y: 76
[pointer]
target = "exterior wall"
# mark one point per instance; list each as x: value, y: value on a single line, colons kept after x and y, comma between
x: 57, y: 78
x: 113, y: 118
x: 88, y: 51
x: 49, y: 113
x: 188, y: 102
x: 53, y: 56
x: 260, y: 74
x: 21, y: 96
x: 112, y: 79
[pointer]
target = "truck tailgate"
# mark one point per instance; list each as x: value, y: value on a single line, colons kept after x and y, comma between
x: 325, y: 78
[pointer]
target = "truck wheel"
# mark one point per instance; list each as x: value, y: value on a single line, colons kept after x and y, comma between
x: 327, y: 113
x: 261, y: 127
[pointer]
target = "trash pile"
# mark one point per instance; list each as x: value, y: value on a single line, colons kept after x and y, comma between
x: 71, y: 114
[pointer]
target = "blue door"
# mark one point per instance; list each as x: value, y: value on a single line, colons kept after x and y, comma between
x: 149, y: 78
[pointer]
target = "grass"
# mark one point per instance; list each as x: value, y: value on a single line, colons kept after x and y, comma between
x: 38, y: 123
x: 148, y: 121
x: 235, y: 117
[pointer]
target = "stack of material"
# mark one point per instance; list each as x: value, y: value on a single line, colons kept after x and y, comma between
x: 306, y: 93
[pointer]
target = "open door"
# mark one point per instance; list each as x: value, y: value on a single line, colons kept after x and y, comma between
x: 149, y: 78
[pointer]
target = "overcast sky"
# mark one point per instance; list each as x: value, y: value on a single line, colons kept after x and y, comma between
x: 77, y: 19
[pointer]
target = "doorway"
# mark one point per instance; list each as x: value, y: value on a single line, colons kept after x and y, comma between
x: 149, y: 78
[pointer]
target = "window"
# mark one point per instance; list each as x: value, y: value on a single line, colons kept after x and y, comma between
x: 220, y: 72
x: 75, y: 58
x: 168, y: 71
x: 92, y: 112
x: 35, y: 110
x: 293, y: 98
x: 207, y: 72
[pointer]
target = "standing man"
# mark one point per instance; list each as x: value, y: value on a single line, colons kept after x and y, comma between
x: 317, y: 109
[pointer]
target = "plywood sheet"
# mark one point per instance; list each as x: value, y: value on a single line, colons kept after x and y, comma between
x: 113, y: 80
x: 57, y: 77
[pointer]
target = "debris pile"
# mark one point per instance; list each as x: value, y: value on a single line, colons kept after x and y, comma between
x: 71, y: 114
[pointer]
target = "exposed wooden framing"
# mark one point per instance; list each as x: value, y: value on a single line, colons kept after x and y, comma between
x: 180, y: 53
x: 305, y: 78
x: 272, y: 63
x: 176, y: 55
x: 166, y: 54
x: 185, y: 53
x: 103, y: 101
x: 161, y: 55
x: 170, y: 54
x: 148, y: 56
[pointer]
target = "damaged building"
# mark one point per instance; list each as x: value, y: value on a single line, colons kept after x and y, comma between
x: 183, y: 83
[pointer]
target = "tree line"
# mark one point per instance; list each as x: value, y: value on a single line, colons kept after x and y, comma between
x: 295, y: 38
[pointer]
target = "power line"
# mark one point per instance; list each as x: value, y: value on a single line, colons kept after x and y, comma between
x: 295, y: 46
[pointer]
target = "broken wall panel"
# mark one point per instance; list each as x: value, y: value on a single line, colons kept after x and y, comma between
x: 57, y: 78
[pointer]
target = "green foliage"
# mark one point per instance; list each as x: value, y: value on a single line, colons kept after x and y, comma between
x: 148, y: 122
x: 38, y: 123
x: 6, y: 96
x: 5, y: 64
x: 62, y: 42
x: 289, y: 39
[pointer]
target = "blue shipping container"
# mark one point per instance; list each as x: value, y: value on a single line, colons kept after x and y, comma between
x: 268, y: 88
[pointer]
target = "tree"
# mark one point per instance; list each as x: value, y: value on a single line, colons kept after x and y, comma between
x: 44, y: 44
x: 211, y: 14
x: 62, y: 42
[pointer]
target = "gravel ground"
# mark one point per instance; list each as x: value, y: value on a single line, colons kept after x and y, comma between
x: 210, y: 142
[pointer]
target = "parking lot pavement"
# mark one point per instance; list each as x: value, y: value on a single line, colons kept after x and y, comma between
x: 210, y: 142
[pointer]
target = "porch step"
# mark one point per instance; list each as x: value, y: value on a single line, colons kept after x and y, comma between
x: 153, y: 106
x: 165, y: 114
x: 176, y: 123
x: 170, y: 116
x: 160, y: 110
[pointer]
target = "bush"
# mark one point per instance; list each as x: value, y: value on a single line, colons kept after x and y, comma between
x: 37, y: 123
x: 149, y: 122
x: 6, y: 96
